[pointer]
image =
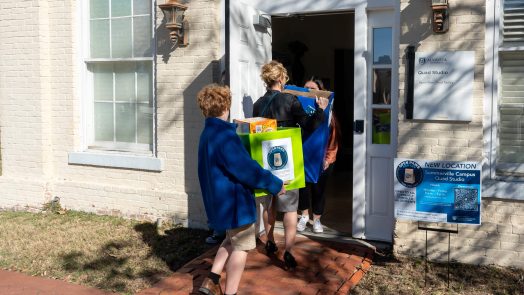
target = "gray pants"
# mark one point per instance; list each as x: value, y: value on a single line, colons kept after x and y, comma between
x: 288, y: 202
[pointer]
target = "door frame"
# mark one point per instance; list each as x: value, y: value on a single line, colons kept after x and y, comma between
x: 377, y: 199
x: 361, y: 56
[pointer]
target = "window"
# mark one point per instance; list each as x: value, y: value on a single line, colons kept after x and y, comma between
x: 510, y: 149
x: 119, y: 75
x: 381, y: 85
x: 513, y: 19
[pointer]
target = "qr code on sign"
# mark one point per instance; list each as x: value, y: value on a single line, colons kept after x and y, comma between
x: 466, y: 199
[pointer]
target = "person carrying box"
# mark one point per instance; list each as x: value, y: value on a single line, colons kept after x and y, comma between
x: 313, y: 193
x: 288, y: 112
x: 227, y: 177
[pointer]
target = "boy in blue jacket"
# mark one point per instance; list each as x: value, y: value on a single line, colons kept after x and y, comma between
x: 227, y: 176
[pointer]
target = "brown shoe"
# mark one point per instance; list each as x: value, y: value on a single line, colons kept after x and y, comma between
x: 210, y: 288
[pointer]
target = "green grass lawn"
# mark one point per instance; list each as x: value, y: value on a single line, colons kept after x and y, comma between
x: 126, y: 256
x: 105, y: 252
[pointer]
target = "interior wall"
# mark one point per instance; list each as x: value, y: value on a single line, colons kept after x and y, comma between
x: 325, y: 36
x: 322, y: 34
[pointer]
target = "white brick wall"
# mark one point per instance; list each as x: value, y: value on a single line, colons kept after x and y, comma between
x: 20, y: 91
x: 500, y: 238
x: 40, y: 123
x: 40, y: 116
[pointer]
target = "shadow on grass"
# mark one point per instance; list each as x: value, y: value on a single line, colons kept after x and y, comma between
x: 175, y: 246
x: 122, y: 266
x: 111, y: 270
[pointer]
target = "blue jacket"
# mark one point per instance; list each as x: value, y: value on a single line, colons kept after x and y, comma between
x: 228, y: 175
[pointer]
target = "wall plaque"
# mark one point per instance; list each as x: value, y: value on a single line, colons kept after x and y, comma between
x: 443, y: 85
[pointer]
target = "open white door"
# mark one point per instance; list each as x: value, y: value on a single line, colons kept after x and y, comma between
x: 249, y: 50
x: 381, y: 125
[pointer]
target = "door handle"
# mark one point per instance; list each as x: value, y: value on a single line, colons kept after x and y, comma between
x: 358, y: 126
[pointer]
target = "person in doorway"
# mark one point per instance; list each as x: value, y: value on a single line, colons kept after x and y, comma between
x: 315, y: 191
x: 288, y: 112
x: 227, y: 176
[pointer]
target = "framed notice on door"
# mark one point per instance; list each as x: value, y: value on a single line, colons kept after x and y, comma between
x: 437, y: 191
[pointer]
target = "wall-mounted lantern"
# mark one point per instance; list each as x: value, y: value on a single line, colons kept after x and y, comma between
x: 440, y: 17
x: 175, y: 23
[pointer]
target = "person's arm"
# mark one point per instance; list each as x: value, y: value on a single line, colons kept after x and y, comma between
x: 308, y: 123
x: 332, y: 148
x: 237, y: 162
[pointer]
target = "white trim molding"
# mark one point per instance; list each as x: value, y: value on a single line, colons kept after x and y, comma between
x: 503, y: 190
x: 490, y: 90
x: 116, y: 160
x: 493, y: 185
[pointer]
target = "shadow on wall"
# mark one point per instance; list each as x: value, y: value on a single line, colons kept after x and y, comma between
x: 247, y: 106
x: 415, y: 25
x: 193, y: 122
x: 193, y: 125
x: 473, y: 242
x: 164, y: 47
x: 185, y: 111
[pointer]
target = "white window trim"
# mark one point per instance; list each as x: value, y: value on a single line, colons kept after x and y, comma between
x: 494, y: 186
x: 116, y: 159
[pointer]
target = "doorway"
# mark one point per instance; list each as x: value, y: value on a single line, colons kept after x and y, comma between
x: 248, y: 33
x: 321, y: 45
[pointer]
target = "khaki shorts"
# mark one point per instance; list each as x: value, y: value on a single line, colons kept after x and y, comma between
x: 241, y: 238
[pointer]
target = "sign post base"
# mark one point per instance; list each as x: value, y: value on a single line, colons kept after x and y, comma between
x: 441, y: 230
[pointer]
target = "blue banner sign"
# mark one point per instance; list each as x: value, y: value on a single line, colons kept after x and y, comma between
x: 437, y: 191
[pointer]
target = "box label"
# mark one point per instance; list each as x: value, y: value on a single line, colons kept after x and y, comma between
x: 278, y: 158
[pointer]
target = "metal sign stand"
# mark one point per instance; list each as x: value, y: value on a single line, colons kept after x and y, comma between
x: 441, y: 230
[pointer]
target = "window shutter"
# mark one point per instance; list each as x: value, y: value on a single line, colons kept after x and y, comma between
x: 511, y: 127
x: 513, y: 21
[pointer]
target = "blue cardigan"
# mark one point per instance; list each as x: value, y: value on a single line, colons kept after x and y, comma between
x: 228, y: 175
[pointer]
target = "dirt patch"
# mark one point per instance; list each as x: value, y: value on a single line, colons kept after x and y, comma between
x: 391, y: 274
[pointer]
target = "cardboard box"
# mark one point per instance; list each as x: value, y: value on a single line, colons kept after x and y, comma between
x: 307, y: 97
x: 256, y: 125
x: 315, y: 144
x: 311, y: 93
x: 279, y: 152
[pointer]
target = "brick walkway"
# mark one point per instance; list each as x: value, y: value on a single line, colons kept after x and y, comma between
x: 15, y: 283
x: 325, y: 267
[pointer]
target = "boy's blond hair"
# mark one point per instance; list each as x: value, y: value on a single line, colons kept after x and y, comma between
x: 214, y: 100
x: 273, y: 72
